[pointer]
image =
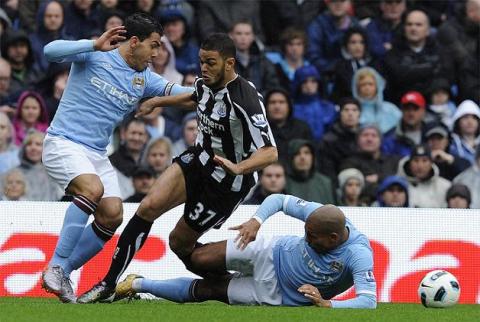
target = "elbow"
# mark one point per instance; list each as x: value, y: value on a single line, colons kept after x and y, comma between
x: 273, y: 154
x: 48, y: 52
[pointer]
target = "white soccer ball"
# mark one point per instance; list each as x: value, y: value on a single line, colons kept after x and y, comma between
x: 439, y: 288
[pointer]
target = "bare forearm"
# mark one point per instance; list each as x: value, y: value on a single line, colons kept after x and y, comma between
x: 183, y: 101
x: 259, y: 160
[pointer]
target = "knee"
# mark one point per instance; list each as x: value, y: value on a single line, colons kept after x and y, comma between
x: 93, y: 191
x: 148, y: 210
x: 178, y: 246
x: 201, y: 257
x: 110, y: 215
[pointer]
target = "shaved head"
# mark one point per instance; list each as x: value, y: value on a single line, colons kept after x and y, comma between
x: 327, y: 219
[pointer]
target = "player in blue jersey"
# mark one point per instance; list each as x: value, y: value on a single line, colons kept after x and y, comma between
x: 286, y: 270
x: 108, y: 77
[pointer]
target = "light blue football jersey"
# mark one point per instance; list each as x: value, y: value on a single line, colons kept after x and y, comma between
x: 296, y: 263
x: 101, y: 90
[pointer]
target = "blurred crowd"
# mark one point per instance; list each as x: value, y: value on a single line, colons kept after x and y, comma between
x: 371, y: 103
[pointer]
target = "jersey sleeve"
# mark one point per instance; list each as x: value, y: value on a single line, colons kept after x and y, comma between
x: 156, y: 85
x: 290, y: 205
x: 64, y: 51
x: 247, y: 102
x: 363, y: 279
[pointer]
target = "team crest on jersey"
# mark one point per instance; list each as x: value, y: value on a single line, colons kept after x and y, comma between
x: 187, y: 158
x: 336, y: 266
x: 259, y: 120
x: 138, y: 82
x: 369, y: 276
x: 222, y: 111
x: 301, y: 202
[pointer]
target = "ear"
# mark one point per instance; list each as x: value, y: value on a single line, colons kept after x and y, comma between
x: 229, y: 64
x: 133, y: 41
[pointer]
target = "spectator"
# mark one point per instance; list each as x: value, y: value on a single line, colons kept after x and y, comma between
x: 284, y: 126
x: 104, y: 8
x: 14, y: 186
x: 146, y: 6
x: 369, y: 159
x: 411, y: 129
x: 325, y: 34
x: 351, y: 183
x: 272, y: 180
x: 339, y: 142
x: 134, y: 137
x: 392, y: 192
x: 382, y: 30
x: 158, y: 125
x: 438, y: 140
x: 459, y: 196
x: 31, y: 114
x: 8, y: 151
x: 427, y: 189
x: 277, y: 15
x: 53, y: 85
x: 471, y: 178
x: 7, y: 100
x: 415, y: 59
x: 143, y: 179
x: 174, y: 22
x: 459, y: 36
x: 189, y: 134
x: 308, y: 106
x: 17, y: 50
x: 441, y: 108
x: 251, y: 62
x: 5, y: 22
x: 27, y: 11
x: 217, y: 16
x: 80, y: 19
x: 355, y: 55
x: 39, y: 185
x: 158, y: 155
x: 367, y: 87
x: 164, y: 63
x: 293, y: 44
x: 111, y: 19
x: 303, y: 180
x: 466, y: 130
x: 49, y: 28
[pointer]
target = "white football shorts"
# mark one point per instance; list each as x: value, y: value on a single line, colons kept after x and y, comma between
x: 65, y: 160
x: 257, y: 282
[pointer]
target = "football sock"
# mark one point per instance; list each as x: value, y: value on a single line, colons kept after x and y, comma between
x: 131, y: 240
x: 177, y: 290
x: 91, y: 242
x: 76, y: 217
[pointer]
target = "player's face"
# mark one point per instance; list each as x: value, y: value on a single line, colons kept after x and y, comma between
x: 158, y: 158
x: 394, y: 196
x: 277, y: 108
x: 214, y: 67
x: 144, y: 52
x: 53, y: 17
x: 31, y: 110
x: 33, y: 149
x: 273, y: 179
x: 420, y: 166
x: 321, y: 243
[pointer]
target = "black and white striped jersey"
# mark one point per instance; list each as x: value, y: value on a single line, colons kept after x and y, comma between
x: 232, y: 123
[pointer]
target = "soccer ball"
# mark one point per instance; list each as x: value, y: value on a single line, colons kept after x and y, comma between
x: 439, y: 288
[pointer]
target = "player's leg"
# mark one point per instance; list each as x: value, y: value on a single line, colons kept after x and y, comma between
x: 167, y: 193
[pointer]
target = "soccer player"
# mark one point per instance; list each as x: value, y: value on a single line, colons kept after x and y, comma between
x: 286, y: 270
x: 212, y: 177
x: 108, y: 77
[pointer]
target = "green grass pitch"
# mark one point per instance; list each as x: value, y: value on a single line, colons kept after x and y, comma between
x: 50, y: 310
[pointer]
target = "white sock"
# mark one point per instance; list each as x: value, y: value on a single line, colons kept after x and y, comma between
x: 137, y: 284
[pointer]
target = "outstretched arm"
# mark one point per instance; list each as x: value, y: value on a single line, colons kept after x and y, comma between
x: 258, y: 160
x: 60, y: 51
x: 362, y: 301
x: 184, y: 101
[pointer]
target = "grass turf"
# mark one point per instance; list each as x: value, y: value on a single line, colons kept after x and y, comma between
x: 50, y: 310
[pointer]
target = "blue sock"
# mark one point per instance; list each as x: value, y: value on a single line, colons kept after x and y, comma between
x: 73, y: 226
x: 176, y: 290
x: 87, y: 247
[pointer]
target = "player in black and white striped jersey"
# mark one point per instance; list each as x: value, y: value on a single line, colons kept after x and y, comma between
x: 212, y: 177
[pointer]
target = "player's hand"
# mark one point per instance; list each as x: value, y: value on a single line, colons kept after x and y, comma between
x: 145, y: 108
x: 228, y: 165
x: 312, y: 293
x: 110, y: 39
x: 247, y: 232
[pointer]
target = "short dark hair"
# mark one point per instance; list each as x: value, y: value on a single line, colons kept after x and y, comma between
x: 290, y: 34
x: 220, y: 42
x: 142, y: 26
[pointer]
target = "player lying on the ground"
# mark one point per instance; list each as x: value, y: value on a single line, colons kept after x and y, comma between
x: 286, y: 270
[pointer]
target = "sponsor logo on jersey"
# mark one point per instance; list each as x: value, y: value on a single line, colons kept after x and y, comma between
x: 369, y: 276
x: 107, y: 66
x: 301, y: 202
x: 207, y: 125
x: 187, y: 158
x: 336, y: 266
x: 112, y: 91
x: 138, y: 82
